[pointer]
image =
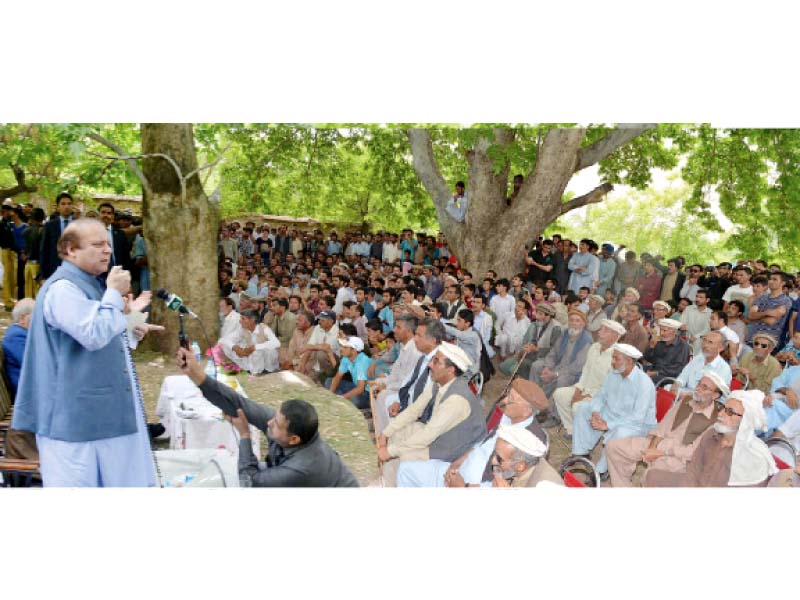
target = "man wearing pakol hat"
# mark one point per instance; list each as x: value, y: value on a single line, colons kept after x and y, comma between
x: 595, y: 315
x: 564, y: 364
x: 729, y: 454
x: 540, y: 338
x: 624, y: 407
x: 356, y: 363
x: 709, y: 359
x: 442, y: 423
x: 253, y: 347
x: 322, y: 351
x: 673, y: 441
x: 666, y: 354
x: 519, y: 460
x: 597, y: 367
x: 782, y: 400
x: 473, y: 468
x: 759, y: 365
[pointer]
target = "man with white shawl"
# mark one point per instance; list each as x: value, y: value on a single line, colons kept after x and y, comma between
x: 730, y: 454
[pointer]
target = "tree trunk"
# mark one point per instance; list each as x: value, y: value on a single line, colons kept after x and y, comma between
x: 494, y: 236
x: 180, y: 228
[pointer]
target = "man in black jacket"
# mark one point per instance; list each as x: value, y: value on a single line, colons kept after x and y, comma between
x: 298, y: 457
x: 121, y: 250
x: 52, y: 231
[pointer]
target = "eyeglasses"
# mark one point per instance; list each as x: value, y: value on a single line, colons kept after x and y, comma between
x: 760, y: 345
x: 730, y: 412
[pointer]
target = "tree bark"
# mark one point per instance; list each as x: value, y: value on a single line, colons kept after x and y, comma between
x: 20, y: 188
x: 494, y: 236
x: 181, y: 233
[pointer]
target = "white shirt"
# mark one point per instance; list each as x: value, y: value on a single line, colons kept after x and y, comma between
x: 501, y: 307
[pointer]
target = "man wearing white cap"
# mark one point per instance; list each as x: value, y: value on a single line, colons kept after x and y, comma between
x: 625, y: 406
x: 707, y: 360
x: 473, y: 468
x: 729, y: 454
x: 355, y: 362
x: 442, y: 423
x: 518, y: 460
x: 597, y: 367
x: 596, y: 314
x: 673, y: 441
x: 666, y: 353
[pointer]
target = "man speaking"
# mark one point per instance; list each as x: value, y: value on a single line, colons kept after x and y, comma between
x: 78, y: 390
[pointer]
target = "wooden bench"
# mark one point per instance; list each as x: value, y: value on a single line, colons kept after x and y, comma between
x: 16, y: 471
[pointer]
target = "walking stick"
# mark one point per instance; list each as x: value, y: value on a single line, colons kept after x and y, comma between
x: 506, y: 389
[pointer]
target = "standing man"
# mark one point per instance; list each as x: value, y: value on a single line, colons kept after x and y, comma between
x: 9, y: 255
x: 457, y: 205
x: 120, y: 250
x: 78, y: 390
x: 52, y: 231
x: 32, y: 245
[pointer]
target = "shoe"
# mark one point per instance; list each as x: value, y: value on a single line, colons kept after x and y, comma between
x: 568, y: 437
x: 157, y: 431
x: 604, y: 476
x: 552, y: 421
x: 542, y: 416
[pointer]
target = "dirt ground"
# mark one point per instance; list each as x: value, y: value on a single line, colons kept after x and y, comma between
x: 341, y: 425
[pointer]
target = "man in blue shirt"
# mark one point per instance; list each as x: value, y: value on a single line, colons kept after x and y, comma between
x: 14, y: 342
x: 356, y: 363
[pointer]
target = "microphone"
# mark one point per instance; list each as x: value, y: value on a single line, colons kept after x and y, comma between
x: 175, y: 303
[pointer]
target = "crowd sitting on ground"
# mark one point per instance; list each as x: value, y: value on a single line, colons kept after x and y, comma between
x: 586, y: 333
x: 395, y: 318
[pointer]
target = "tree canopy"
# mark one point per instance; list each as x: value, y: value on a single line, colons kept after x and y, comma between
x: 366, y: 173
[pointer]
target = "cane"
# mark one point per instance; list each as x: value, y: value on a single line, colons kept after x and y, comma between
x: 506, y: 389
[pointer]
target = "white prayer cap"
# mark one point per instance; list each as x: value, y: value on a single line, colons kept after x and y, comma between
x: 662, y: 304
x: 752, y: 461
x: 628, y: 350
x: 671, y: 323
x: 613, y: 326
x: 718, y: 381
x: 456, y: 355
x: 522, y: 439
x: 353, y: 342
x: 598, y: 298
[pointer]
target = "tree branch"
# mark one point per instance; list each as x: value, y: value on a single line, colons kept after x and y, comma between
x: 169, y: 159
x: 610, y: 143
x: 20, y: 188
x: 122, y: 155
x: 593, y: 197
x: 428, y: 171
x: 210, y: 165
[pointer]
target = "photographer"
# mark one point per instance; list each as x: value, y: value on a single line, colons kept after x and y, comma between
x: 297, y: 456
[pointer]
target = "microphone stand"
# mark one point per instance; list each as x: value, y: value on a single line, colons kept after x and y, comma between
x: 182, y: 339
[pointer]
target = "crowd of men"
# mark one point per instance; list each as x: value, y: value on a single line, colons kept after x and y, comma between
x: 393, y: 323
x: 586, y: 332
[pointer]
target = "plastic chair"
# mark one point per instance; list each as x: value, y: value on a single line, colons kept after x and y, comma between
x: 664, y: 398
x: 736, y: 383
x: 476, y: 383
x: 494, y: 418
x: 783, y: 452
x: 583, y: 466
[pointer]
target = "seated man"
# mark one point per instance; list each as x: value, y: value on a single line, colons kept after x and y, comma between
x: 635, y: 333
x: 730, y: 349
x: 321, y: 354
x: 729, y: 453
x: 511, y: 329
x: 666, y: 354
x: 595, y: 370
x: 474, y: 466
x: 483, y: 323
x: 563, y: 366
x: 709, y: 359
x: 298, y: 457
x: 673, y: 441
x: 281, y: 320
x: 443, y: 423
x: 540, y: 338
x: 781, y: 402
x: 228, y: 316
x: 759, y: 365
x: 519, y: 460
x: 290, y: 356
x: 356, y: 363
x: 430, y: 333
x: 466, y: 338
x: 254, y: 348
x: 624, y: 407
x: 14, y: 342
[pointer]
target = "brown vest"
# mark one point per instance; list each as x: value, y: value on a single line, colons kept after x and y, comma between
x: 258, y: 334
x: 543, y: 471
x: 698, y: 422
